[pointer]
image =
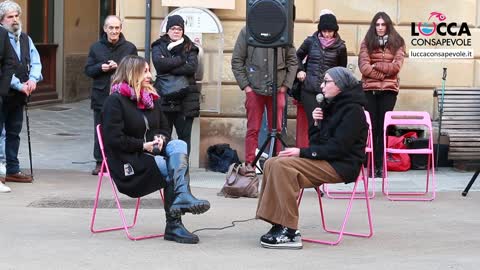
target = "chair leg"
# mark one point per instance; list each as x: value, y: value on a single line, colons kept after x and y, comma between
x: 342, y: 231
x: 413, y: 196
x: 125, y: 226
x: 359, y: 194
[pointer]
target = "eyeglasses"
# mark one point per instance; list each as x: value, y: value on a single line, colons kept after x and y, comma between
x: 327, y: 81
x: 175, y: 29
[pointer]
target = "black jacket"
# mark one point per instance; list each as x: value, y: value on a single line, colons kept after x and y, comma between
x: 123, y: 128
x: 342, y: 137
x: 7, y: 62
x: 100, y: 52
x: 178, y: 61
x: 319, y: 60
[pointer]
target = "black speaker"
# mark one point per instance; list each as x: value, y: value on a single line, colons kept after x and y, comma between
x: 270, y: 23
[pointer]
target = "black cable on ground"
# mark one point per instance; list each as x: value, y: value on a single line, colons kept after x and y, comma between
x: 83, y: 162
x: 226, y: 227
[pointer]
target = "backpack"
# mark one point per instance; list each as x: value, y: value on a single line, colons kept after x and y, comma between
x: 220, y: 156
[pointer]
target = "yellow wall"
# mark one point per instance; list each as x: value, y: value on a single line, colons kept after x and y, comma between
x: 418, y: 76
x: 81, y: 24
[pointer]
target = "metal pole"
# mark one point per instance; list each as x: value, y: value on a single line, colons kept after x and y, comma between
x: 440, y: 110
x: 148, y: 28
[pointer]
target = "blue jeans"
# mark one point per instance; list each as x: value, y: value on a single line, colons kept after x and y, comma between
x: 173, y: 147
x: 11, y: 119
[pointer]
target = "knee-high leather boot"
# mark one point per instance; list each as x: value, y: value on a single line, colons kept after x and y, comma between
x: 184, y: 201
x: 174, y: 229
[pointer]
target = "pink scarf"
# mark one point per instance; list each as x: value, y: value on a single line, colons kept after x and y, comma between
x: 146, y: 99
x: 326, y: 42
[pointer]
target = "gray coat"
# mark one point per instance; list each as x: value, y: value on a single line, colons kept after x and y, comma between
x: 253, y: 66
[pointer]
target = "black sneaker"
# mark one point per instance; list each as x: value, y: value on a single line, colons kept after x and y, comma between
x: 282, y: 238
x: 276, y: 228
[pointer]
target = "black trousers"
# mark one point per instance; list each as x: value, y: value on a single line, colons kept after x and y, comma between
x: 379, y: 102
x: 96, y: 147
x: 183, y: 126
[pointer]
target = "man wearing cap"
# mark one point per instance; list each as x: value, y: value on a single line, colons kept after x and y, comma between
x: 335, y: 154
x: 103, y: 59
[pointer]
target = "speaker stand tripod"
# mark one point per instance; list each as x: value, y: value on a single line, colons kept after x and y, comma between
x: 467, y: 188
x: 274, y: 134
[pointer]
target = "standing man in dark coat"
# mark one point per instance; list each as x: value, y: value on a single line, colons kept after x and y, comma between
x: 102, y: 62
x: 6, y: 71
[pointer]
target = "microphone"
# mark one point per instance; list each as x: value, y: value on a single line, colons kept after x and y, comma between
x: 320, y: 97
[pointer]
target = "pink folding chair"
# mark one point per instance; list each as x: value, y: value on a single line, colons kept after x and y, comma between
x: 370, y: 168
x: 105, y: 171
x: 342, y: 231
x: 409, y: 118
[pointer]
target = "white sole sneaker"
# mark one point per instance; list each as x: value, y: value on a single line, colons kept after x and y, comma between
x: 4, y: 188
x: 292, y: 245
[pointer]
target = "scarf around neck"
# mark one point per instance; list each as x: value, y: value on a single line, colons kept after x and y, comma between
x: 174, y: 43
x: 144, y: 102
x: 326, y: 42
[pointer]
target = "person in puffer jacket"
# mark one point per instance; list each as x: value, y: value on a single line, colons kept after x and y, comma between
x: 322, y: 50
x: 174, y: 53
x: 380, y: 59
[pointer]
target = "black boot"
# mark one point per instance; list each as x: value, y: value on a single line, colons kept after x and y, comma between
x: 184, y: 201
x: 174, y: 230
x: 379, y: 168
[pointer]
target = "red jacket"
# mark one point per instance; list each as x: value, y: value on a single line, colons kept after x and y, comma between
x: 380, y: 68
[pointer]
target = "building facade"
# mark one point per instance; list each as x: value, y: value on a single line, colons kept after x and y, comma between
x: 77, y: 24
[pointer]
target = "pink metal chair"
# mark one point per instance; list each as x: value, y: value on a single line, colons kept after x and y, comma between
x: 105, y: 171
x: 409, y: 118
x: 342, y: 231
x: 370, y: 170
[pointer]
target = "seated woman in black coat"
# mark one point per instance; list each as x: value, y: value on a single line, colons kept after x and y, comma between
x: 140, y: 156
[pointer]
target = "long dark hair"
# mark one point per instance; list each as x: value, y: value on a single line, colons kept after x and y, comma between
x: 395, y: 41
x: 187, y: 42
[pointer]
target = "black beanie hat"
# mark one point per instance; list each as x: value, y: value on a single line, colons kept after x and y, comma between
x: 175, y: 20
x: 328, y: 22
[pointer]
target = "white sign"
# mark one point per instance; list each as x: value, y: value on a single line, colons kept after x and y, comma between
x: 197, y: 20
x: 218, y: 4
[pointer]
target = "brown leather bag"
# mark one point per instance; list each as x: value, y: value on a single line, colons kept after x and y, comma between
x: 240, y: 182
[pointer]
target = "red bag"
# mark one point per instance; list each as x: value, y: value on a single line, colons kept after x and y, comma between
x: 399, y: 162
